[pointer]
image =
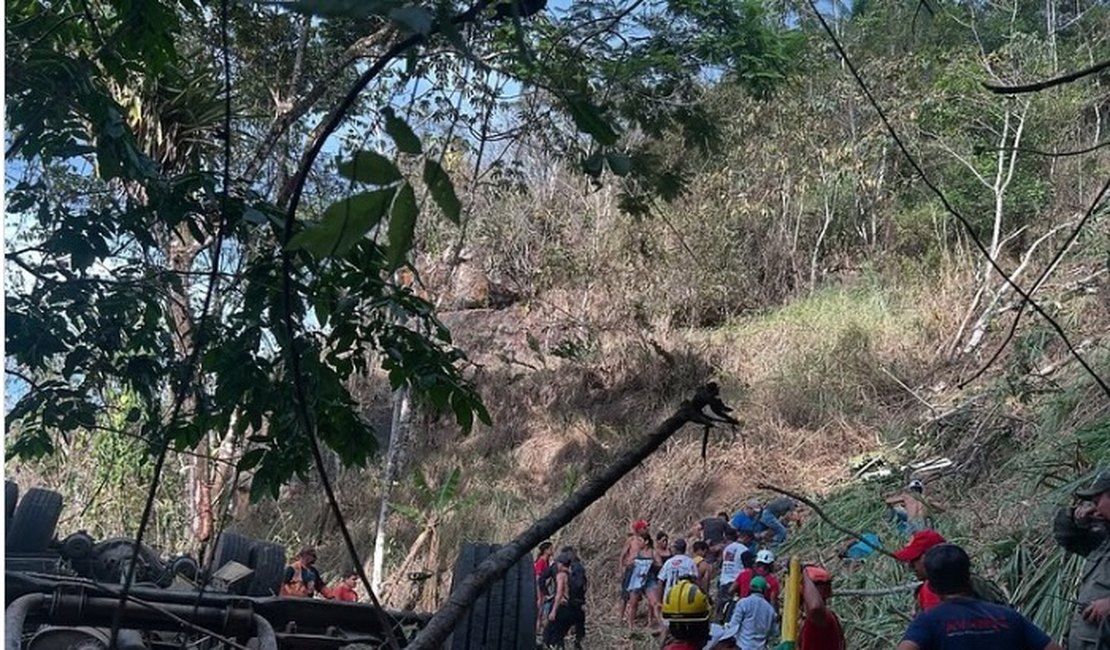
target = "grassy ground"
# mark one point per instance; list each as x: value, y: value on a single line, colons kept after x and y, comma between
x: 850, y: 372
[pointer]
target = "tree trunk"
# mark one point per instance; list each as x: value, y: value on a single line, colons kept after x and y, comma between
x: 398, y: 435
x: 496, y: 565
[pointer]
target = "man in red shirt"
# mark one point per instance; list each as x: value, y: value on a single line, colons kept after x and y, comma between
x: 913, y: 554
x: 821, y: 629
x: 345, y: 590
x: 764, y: 566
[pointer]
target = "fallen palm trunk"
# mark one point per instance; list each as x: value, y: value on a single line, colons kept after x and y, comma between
x: 883, y: 591
x: 495, y: 566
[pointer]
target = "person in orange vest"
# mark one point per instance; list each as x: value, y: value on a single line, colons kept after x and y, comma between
x: 302, y: 580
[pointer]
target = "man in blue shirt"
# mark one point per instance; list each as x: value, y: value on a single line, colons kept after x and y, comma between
x: 747, y: 516
x: 960, y: 622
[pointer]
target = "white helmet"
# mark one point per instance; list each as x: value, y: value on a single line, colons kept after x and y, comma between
x: 916, y: 484
x: 765, y: 557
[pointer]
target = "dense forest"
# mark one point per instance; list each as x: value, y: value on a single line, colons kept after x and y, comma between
x: 432, y: 264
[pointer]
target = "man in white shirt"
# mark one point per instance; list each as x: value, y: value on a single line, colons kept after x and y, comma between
x: 678, y: 566
x: 731, y: 565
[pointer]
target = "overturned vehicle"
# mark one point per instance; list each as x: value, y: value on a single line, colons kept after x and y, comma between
x: 65, y: 594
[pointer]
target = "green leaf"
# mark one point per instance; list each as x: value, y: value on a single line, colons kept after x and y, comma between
x: 344, y: 223
x: 593, y: 165
x: 370, y: 167
x: 402, y: 227
x: 408, y: 512
x: 421, y: 482
x: 442, y: 189
x: 587, y: 117
x: 619, y: 163
x: 402, y: 134
x: 416, y: 19
x: 250, y: 460
x: 449, y: 489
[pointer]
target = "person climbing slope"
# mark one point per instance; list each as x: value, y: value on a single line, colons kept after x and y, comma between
x: 821, y: 628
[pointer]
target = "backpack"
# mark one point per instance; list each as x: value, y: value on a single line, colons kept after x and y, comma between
x: 577, y: 582
x: 546, y: 581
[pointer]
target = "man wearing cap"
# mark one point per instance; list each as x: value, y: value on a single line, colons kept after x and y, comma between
x: 963, y: 622
x: 913, y: 554
x: 1082, y: 529
x: 764, y: 568
x: 302, y: 580
x: 821, y: 629
x: 748, y: 515
x: 753, y: 616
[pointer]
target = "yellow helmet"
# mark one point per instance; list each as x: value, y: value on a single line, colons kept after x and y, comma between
x: 685, y: 602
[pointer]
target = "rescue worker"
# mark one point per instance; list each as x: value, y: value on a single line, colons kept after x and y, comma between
x: 1082, y: 529
x: 686, y: 612
x: 821, y: 629
x: 302, y: 580
x: 963, y: 622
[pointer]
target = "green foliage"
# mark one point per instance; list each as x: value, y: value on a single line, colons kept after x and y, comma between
x: 343, y: 224
x: 433, y: 502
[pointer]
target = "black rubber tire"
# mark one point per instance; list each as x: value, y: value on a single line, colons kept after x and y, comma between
x: 268, y: 562
x: 503, y: 618
x: 11, y: 495
x: 232, y: 547
x: 34, y: 521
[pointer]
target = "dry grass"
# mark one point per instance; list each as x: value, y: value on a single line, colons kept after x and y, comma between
x: 826, y: 379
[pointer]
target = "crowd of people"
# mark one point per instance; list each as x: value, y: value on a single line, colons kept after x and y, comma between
x: 721, y: 589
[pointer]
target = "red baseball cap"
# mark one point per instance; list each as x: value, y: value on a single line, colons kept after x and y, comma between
x: 818, y: 574
x: 921, y: 541
x: 639, y: 525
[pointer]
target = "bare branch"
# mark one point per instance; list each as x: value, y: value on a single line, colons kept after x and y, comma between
x: 1048, y: 83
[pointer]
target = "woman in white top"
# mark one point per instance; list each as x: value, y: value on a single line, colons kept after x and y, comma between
x: 639, y: 582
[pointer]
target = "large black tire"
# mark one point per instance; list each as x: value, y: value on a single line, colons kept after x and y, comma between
x: 34, y: 521
x: 503, y: 618
x: 11, y: 495
x: 268, y: 562
x: 232, y: 547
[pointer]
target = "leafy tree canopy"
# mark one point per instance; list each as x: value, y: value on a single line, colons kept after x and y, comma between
x: 157, y: 149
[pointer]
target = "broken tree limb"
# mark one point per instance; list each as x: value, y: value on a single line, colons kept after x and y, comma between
x: 821, y: 513
x: 883, y: 591
x: 496, y: 565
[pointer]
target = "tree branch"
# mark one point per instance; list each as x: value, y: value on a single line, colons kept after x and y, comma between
x: 948, y: 207
x: 829, y: 520
x: 496, y: 565
x: 1047, y: 83
x: 883, y: 591
x: 285, y: 119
